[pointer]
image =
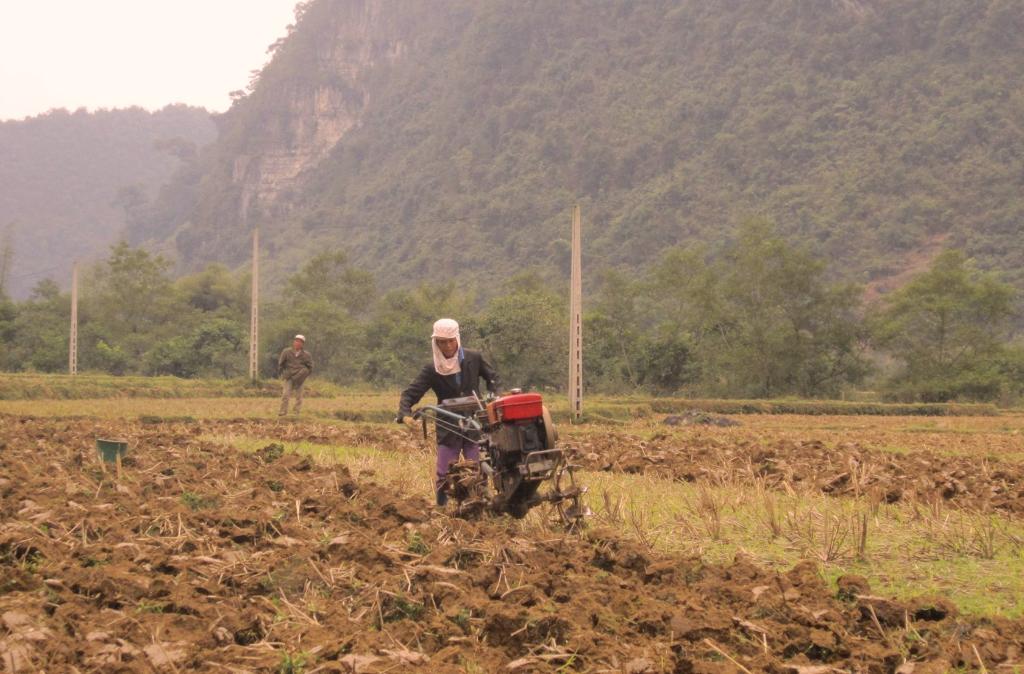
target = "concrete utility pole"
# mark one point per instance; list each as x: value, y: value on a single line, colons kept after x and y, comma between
x: 73, y: 340
x: 254, y: 312
x: 576, y: 321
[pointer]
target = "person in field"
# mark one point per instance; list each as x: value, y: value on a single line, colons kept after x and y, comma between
x: 293, y: 366
x: 455, y: 372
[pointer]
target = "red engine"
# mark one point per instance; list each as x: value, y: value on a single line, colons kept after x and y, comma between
x: 516, y: 407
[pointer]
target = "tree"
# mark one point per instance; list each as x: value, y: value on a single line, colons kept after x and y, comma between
x: 131, y: 301
x: 788, y: 331
x: 685, y: 307
x: 216, y: 288
x: 614, y: 330
x: 134, y: 202
x: 6, y: 257
x: 330, y: 276
x: 8, y: 309
x: 39, y: 330
x: 949, y: 328
x: 216, y: 348
x: 667, y: 362
x: 526, y: 331
x: 398, y: 336
x: 757, y: 319
x: 171, y: 357
x: 328, y: 300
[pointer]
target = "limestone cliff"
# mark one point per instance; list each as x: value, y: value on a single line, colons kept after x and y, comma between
x: 349, y: 39
x: 399, y: 128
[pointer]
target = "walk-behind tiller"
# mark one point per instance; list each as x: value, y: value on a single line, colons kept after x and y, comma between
x: 517, y: 456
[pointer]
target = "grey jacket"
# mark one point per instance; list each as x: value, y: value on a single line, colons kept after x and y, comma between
x: 293, y: 366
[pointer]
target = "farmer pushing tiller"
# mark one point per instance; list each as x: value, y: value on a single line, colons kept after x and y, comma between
x: 454, y: 373
x: 507, y: 443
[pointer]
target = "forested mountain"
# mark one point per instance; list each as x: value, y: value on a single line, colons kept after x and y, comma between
x: 440, y: 137
x: 66, y: 179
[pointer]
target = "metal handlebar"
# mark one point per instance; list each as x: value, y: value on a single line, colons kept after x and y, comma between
x: 449, y: 419
x: 464, y: 423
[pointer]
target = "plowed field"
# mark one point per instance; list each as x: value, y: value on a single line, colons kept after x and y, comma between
x: 201, y: 558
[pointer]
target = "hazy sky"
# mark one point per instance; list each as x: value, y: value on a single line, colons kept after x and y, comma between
x: 116, y: 53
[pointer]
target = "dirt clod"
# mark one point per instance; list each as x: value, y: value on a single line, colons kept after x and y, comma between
x: 271, y: 452
x: 851, y: 585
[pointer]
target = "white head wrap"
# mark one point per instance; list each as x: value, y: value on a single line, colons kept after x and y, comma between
x: 446, y: 328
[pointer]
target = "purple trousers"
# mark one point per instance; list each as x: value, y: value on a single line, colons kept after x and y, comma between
x: 449, y: 454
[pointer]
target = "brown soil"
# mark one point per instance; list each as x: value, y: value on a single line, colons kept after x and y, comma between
x: 840, y: 469
x: 843, y: 469
x: 206, y: 559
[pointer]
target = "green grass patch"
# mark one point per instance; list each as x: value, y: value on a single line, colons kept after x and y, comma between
x: 396, y: 607
x: 415, y: 544
x: 241, y: 397
x: 27, y: 386
x: 380, y: 416
x: 293, y: 663
x: 822, y: 408
x: 171, y: 410
x: 909, y: 550
x: 153, y: 419
x: 194, y: 501
x: 904, y: 550
x: 408, y: 472
x: 617, y: 411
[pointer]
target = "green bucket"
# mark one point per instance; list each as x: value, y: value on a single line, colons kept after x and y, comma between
x: 111, y: 449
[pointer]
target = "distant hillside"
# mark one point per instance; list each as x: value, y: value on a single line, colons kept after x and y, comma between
x: 452, y: 136
x: 66, y: 179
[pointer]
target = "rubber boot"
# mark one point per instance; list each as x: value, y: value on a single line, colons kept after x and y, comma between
x: 442, y: 498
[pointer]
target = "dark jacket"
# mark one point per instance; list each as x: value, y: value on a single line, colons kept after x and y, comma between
x: 474, y: 368
x: 293, y: 366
